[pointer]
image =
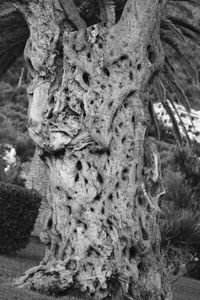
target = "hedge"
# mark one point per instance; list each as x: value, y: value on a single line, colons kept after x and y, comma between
x: 18, y: 212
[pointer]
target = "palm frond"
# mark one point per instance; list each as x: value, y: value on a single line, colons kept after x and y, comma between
x: 168, y: 26
x: 162, y: 96
x: 181, y: 8
x: 188, y: 65
x: 174, y: 123
x: 184, y: 23
x: 186, y: 27
x: 168, y: 64
x: 191, y: 36
x: 171, y: 26
x: 172, y: 83
x: 154, y: 118
x: 180, y: 119
x: 194, y: 3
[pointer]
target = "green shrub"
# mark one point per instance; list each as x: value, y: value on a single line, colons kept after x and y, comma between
x: 178, y: 191
x: 19, y: 209
x: 180, y: 228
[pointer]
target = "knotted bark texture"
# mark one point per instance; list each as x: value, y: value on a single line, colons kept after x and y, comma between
x: 88, y: 116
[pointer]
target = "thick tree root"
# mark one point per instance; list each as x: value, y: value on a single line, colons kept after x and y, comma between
x: 50, y: 278
x: 29, y: 273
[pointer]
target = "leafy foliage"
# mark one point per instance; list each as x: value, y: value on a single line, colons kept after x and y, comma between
x: 180, y: 240
x: 180, y: 218
x: 177, y: 36
x: 13, y: 113
x: 182, y: 228
x: 13, y: 36
x: 9, y: 174
x: 19, y: 209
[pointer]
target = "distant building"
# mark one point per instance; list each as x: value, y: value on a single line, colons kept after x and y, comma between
x: 191, y: 120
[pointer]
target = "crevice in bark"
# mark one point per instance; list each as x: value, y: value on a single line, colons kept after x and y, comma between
x: 139, y: 67
x: 151, y: 54
x: 86, y: 78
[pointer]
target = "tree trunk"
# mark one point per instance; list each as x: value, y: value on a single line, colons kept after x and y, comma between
x: 88, y: 116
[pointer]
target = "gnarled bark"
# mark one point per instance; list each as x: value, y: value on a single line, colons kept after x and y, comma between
x: 88, y: 116
x: 37, y: 180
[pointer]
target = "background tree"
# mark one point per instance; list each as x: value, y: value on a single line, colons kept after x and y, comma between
x: 88, y: 115
x: 13, y: 117
x: 13, y: 113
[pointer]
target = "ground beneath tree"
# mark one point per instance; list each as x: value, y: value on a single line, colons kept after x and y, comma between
x: 14, y: 266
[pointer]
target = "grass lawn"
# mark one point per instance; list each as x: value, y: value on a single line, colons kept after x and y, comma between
x: 14, y: 266
x: 187, y: 289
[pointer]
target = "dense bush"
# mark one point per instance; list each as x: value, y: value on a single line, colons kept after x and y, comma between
x: 180, y: 240
x: 178, y: 191
x: 19, y: 209
x: 180, y: 217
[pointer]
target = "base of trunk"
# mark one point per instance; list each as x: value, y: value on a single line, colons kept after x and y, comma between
x: 52, y: 279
